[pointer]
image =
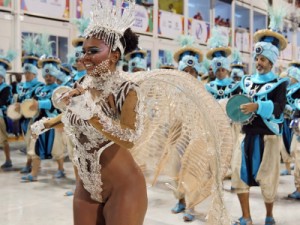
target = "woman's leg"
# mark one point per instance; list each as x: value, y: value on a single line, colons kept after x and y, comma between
x: 85, y: 210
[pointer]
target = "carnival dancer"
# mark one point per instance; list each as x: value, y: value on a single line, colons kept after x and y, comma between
x: 111, y: 120
x: 48, y: 144
x: 137, y: 60
x: 295, y: 147
x: 189, y: 60
x: 26, y: 90
x: 293, y: 93
x: 5, y: 101
x: 237, y: 66
x: 223, y: 86
x: 259, y: 158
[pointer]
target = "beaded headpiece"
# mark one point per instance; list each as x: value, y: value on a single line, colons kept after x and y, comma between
x: 109, y: 21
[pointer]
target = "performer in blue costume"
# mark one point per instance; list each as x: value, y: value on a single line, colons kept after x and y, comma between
x: 189, y: 59
x: 26, y: 90
x: 42, y: 147
x: 5, y: 100
x: 137, y: 60
x: 293, y: 93
x: 223, y: 86
x: 259, y: 158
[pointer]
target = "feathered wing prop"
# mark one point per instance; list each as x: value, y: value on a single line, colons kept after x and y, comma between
x: 184, y: 123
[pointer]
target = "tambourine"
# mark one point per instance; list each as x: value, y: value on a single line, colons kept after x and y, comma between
x: 26, y: 111
x: 12, y: 113
x: 57, y: 95
x: 234, y: 112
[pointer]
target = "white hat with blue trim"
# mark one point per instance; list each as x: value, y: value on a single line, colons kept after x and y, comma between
x: 270, y: 41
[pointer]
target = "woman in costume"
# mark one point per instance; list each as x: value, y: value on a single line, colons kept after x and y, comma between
x: 111, y: 119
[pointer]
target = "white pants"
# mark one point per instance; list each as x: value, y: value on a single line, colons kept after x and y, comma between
x: 268, y: 173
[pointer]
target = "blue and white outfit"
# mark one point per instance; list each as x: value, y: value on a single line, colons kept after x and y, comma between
x: 222, y: 89
x: 260, y: 156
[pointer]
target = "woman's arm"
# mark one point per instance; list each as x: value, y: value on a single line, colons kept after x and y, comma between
x: 127, y: 121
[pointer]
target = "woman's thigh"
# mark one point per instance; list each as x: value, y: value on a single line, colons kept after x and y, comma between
x: 85, y: 210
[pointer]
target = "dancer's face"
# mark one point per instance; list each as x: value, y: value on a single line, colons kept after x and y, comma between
x: 49, y: 79
x: 263, y: 65
x: 221, y: 73
x: 95, y: 51
x: 29, y: 76
x: 191, y: 71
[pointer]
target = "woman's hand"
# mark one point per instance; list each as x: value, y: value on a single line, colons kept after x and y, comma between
x: 249, y: 108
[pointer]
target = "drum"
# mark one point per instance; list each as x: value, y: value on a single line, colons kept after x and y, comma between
x: 26, y: 111
x: 234, y: 112
x: 12, y: 113
x: 56, y: 96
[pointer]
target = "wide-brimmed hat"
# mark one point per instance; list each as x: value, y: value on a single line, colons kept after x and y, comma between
x: 225, y: 51
x: 192, y: 49
x: 49, y: 59
x: 6, y: 64
x: 295, y: 64
x: 262, y: 34
x: 135, y: 52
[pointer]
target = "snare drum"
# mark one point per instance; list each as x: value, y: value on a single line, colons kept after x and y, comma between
x: 12, y: 113
x: 26, y: 111
x: 234, y: 112
x: 56, y: 96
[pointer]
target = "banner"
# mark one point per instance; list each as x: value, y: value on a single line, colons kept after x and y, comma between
x: 143, y: 19
x: 170, y: 24
x: 51, y: 8
x: 199, y: 30
x: 5, y: 3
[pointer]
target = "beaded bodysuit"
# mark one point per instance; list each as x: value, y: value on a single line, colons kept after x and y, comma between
x: 90, y: 143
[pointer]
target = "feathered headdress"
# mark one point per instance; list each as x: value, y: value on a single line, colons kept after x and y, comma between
x: 217, y: 44
x: 109, y: 22
x: 81, y: 24
x: 5, y: 61
x: 46, y: 50
x: 137, y: 59
x: 187, y: 44
x: 273, y: 35
x: 236, y: 59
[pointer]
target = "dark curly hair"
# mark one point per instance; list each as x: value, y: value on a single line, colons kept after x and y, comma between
x: 129, y: 41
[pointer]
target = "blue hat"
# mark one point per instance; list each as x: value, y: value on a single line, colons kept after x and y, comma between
x: 137, y: 59
x: 5, y: 62
x: 270, y: 41
x: 217, y: 44
x: 188, y: 54
x: 32, y: 52
x: 220, y: 62
x: 51, y: 68
x: 219, y: 50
